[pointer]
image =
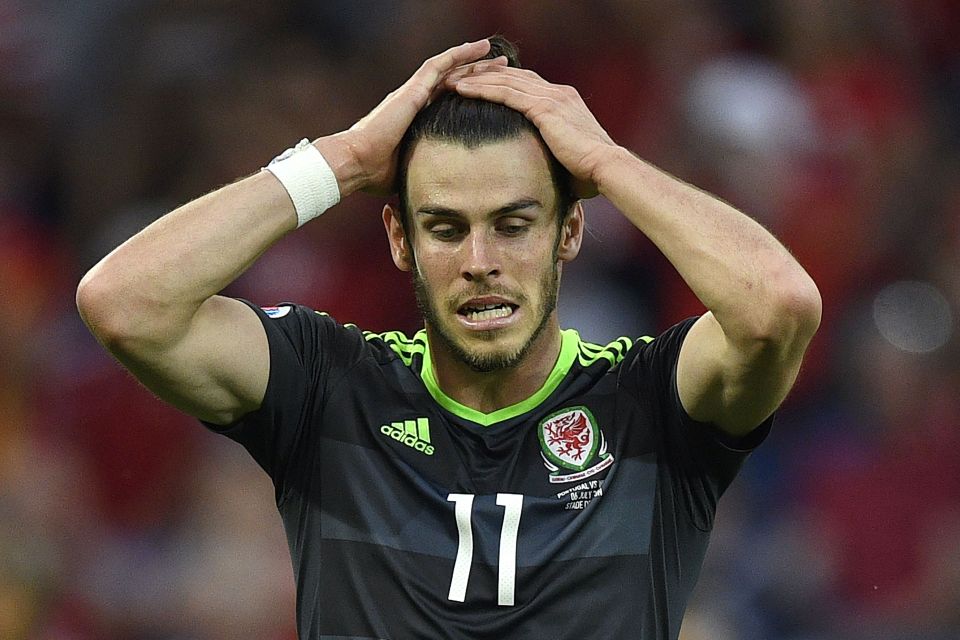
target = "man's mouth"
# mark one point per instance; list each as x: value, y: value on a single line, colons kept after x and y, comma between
x: 483, y: 310
x: 486, y: 312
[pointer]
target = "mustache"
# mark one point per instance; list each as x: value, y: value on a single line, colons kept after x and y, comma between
x: 458, y: 300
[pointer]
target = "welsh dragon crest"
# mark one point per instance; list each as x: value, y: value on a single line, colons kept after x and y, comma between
x: 570, y: 439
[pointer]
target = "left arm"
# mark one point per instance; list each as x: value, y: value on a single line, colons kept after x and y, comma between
x: 742, y: 357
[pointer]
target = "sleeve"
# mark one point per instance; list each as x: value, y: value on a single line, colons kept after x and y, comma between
x: 702, y: 459
x: 308, y: 350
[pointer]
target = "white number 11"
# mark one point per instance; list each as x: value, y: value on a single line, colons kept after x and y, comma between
x: 512, y: 504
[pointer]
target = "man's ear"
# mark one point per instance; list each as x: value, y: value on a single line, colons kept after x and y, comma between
x: 399, y: 247
x: 571, y: 234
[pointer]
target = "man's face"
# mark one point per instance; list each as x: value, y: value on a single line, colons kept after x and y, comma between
x: 485, y: 253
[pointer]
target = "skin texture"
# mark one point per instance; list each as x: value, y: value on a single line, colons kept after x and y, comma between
x: 153, y: 301
x: 740, y: 358
x: 484, y: 223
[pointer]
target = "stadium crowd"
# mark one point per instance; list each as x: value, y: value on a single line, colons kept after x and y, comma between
x: 836, y: 124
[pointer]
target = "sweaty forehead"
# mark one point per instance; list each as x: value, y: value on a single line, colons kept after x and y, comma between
x: 448, y: 174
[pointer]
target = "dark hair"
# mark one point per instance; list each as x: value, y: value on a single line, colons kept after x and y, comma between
x: 472, y: 122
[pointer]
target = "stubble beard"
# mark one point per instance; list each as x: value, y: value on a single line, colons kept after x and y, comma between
x: 497, y: 360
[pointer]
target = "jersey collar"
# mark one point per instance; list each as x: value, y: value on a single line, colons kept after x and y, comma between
x: 569, y: 346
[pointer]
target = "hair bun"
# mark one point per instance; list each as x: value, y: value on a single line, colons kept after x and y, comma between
x: 500, y: 46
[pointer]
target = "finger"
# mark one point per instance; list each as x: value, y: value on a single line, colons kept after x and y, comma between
x: 452, y: 76
x: 499, y: 61
x: 532, y: 85
x: 434, y: 68
x: 508, y: 74
x: 425, y: 83
x: 517, y: 99
x: 516, y: 72
x: 446, y: 83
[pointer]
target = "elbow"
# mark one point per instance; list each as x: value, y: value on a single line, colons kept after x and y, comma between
x: 116, y: 316
x: 99, y: 303
x: 805, y: 306
x: 794, y: 314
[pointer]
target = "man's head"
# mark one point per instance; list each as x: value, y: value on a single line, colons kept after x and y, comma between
x: 471, y: 122
x: 486, y: 218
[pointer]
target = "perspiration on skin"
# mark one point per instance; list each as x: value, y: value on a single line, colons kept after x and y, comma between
x: 486, y: 249
x: 468, y: 243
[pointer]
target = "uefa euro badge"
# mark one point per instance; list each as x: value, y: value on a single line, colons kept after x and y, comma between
x: 277, y: 312
x: 572, y: 445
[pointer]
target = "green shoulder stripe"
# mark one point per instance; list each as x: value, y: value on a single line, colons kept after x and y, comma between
x: 405, y: 347
x: 613, y: 352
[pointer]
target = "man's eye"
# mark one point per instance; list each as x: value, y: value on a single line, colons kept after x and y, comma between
x: 444, y: 232
x: 513, y: 229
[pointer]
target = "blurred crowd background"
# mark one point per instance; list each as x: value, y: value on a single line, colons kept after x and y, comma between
x: 834, y: 122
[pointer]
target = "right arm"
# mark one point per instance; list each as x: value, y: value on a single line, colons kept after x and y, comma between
x: 153, y: 301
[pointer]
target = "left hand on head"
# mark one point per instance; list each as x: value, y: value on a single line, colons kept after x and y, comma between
x: 567, y: 126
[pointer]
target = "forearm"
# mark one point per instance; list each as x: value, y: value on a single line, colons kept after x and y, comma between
x: 153, y: 284
x: 741, y: 273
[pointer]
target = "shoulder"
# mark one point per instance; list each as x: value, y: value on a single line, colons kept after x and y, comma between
x: 310, y: 331
x: 639, y: 364
x: 662, y: 349
x: 610, y: 355
x: 302, y: 325
x: 625, y: 351
x: 390, y: 345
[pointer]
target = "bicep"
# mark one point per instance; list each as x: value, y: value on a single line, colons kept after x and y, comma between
x: 217, y: 370
x: 731, y: 386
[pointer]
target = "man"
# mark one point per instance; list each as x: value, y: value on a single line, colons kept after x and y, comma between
x: 491, y: 476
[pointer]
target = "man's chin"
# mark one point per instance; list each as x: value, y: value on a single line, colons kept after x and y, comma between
x: 485, y: 354
x: 495, y: 361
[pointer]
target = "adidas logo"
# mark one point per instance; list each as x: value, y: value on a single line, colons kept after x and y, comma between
x: 413, y: 433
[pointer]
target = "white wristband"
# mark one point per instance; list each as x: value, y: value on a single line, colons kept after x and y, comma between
x: 308, y: 179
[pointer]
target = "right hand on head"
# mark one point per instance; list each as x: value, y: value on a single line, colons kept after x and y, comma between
x: 374, y: 139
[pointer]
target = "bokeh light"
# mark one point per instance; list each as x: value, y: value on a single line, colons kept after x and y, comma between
x: 913, y: 316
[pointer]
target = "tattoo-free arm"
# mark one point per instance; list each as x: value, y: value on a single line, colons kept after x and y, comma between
x: 740, y: 359
x: 153, y: 301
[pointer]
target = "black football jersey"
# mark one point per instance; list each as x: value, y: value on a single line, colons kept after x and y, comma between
x: 581, y: 512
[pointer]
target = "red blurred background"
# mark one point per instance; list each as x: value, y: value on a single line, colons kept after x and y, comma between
x: 834, y: 123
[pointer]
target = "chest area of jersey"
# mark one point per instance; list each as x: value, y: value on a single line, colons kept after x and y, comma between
x: 396, y: 457
x: 565, y: 447
x: 486, y: 513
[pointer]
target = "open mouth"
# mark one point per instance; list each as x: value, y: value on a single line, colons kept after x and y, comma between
x: 475, y: 312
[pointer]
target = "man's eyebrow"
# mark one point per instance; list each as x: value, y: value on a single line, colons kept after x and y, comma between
x: 519, y: 205
x: 446, y: 212
x: 510, y: 207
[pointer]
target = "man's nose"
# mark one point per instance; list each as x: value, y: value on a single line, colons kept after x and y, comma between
x: 481, y: 259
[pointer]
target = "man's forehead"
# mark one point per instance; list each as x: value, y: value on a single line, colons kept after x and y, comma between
x: 450, y: 174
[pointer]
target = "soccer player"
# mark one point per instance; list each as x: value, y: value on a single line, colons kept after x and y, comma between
x: 491, y: 476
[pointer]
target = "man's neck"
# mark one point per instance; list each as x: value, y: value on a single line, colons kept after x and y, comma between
x: 489, y: 391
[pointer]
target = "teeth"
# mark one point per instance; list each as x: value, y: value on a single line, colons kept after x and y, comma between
x: 489, y: 312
